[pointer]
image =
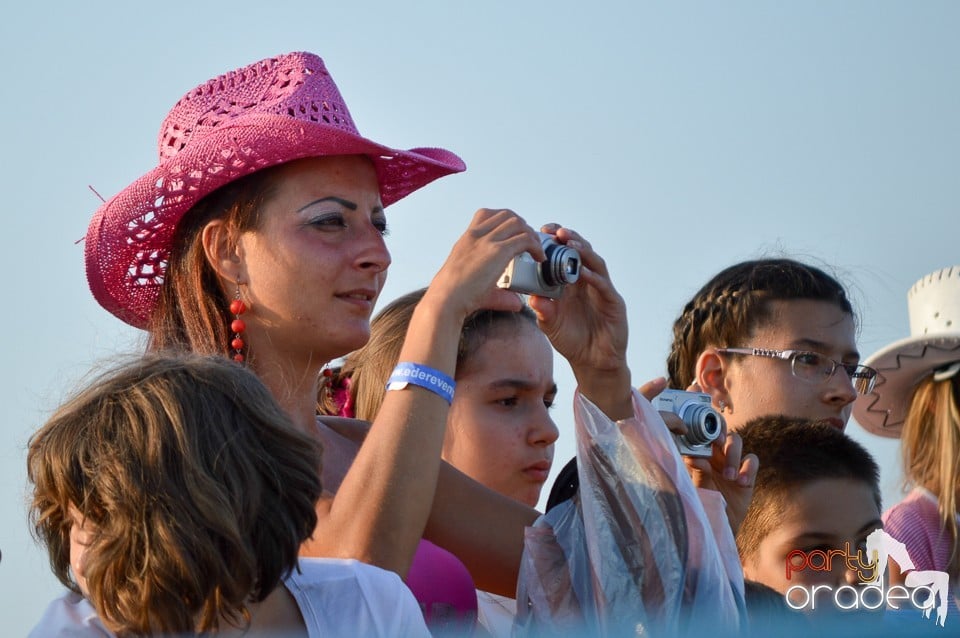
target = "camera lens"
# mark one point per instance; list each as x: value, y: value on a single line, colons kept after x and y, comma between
x: 703, y: 424
x: 562, y: 265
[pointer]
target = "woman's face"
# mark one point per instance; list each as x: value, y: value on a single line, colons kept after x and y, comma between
x: 499, y: 431
x: 315, y: 267
x: 761, y: 386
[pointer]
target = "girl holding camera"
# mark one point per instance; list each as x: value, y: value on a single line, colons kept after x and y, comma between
x: 771, y: 336
x: 499, y: 430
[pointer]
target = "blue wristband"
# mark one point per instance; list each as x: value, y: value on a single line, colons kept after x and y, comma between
x: 423, y: 376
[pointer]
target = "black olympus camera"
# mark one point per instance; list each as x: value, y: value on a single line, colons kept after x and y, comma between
x: 704, y: 424
x: 546, y: 278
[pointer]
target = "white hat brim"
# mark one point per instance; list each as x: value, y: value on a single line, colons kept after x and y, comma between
x: 900, y: 367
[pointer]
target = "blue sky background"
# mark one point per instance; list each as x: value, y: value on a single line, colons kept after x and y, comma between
x: 679, y: 137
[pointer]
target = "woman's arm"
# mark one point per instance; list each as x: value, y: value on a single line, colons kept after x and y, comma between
x: 482, y: 527
x: 380, y: 511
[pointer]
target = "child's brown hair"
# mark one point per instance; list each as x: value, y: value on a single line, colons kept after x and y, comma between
x: 198, y: 489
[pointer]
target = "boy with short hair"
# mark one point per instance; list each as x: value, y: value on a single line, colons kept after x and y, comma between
x: 815, y: 501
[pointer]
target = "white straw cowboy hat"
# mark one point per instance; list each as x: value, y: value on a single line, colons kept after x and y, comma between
x: 933, y: 348
x: 267, y: 113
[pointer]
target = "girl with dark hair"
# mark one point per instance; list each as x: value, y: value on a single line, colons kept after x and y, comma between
x: 499, y: 430
x: 771, y: 336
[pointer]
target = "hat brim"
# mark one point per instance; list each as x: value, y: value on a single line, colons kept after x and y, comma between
x: 128, y: 239
x: 900, y: 367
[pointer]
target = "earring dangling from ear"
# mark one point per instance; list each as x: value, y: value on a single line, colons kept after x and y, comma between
x: 237, y: 326
x: 723, y: 406
x: 327, y: 374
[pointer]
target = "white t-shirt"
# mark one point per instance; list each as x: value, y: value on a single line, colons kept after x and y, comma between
x: 336, y: 597
x: 344, y: 597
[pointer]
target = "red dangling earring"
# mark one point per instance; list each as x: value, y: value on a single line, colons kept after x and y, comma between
x: 237, y: 326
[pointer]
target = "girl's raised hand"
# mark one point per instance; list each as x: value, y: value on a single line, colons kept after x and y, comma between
x: 588, y: 326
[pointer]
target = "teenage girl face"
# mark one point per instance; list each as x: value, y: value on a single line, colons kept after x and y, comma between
x: 314, y: 269
x: 760, y: 386
x: 499, y: 431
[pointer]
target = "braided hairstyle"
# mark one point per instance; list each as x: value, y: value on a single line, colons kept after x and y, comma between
x: 729, y: 308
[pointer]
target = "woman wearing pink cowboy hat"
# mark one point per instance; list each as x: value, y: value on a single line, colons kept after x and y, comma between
x: 259, y: 236
x: 917, y: 398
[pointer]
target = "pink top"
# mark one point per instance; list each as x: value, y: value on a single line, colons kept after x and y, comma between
x: 915, y: 522
x: 444, y: 589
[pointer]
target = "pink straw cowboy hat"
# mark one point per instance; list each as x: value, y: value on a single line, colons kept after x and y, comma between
x: 270, y: 112
x: 933, y: 347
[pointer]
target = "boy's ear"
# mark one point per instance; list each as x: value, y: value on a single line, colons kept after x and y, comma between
x: 222, y: 250
x: 748, y: 563
x: 711, y: 376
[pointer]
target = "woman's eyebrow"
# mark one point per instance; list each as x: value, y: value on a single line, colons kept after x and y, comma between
x: 343, y: 202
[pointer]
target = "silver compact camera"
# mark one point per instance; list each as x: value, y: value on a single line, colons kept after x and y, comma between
x: 546, y: 278
x: 704, y: 424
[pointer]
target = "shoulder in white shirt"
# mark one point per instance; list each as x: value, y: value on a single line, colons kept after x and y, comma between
x: 342, y: 597
x: 336, y: 597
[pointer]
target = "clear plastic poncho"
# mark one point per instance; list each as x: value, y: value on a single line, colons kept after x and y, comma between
x: 635, y: 552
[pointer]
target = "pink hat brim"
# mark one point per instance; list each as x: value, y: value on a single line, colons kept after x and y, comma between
x: 128, y: 239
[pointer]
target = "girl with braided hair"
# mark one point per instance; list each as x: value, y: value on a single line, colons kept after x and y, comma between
x: 762, y: 337
x: 765, y: 337
x: 771, y: 336
x: 768, y: 337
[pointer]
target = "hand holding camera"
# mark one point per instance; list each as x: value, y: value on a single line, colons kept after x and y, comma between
x: 587, y: 323
x: 704, y: 423
x: 546, y: 278
x: 712, y: 465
